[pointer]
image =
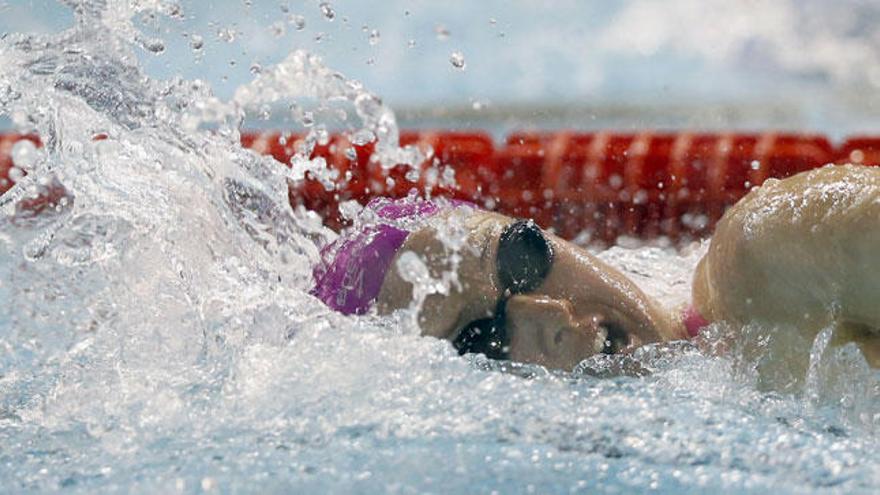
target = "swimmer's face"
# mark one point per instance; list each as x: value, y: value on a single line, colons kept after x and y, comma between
x: 529, y: 296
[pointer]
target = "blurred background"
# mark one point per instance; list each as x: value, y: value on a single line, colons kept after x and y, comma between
x: 803, y: 65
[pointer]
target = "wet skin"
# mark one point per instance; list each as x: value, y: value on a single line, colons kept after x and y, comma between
x: 579, y: 308
x: 800, y: 255
x: 795, y: 255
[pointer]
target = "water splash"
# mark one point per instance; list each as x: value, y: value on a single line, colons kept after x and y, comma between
x: 456, y: 58
x: 156, y: 334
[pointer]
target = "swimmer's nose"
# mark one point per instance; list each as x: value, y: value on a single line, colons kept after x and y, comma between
x: 591, y: 286
x: 544, y: 331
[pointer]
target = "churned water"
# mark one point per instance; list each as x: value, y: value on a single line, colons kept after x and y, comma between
x: 156, y: 334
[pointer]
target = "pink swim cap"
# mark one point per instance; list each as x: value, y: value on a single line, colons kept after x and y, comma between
x: 693, y: 321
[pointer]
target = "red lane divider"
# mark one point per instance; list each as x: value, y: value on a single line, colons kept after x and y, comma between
x: 604, y: 184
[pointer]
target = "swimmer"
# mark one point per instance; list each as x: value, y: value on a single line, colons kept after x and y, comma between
x: 799, y: 253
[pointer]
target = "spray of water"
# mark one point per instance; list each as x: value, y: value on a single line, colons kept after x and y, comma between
x: 156, y: 333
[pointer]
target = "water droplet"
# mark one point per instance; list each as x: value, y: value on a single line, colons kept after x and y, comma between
x: 371, y: 61
x: 308, y: 119
x: 322, y: 135
x: 196, y: 42
x: 640, y: 197
x: 492, y: 21
x: 298, y: 21
x: 368, y: 104
x: 363, y: 137
x: 24, y: 154
x: 351, y: 153
x: 327, y: 11
x: 457, y: 60
x: 447, y: 177
x: 319, y: 37
x: 755, y: 164
x: 615, y: 181
x: 155, y: 45
x: 208, y: 484
x: 278, y: 29
x: 857, y: 156
x: 256, y: 68
x: 411, y: 43
x: 441, y: 32
x: 374, y: 37
x: 16, y: 174
x: 350, y: 209
x: 265, y: 112
x: 175, y: 11
x: 227, y: 35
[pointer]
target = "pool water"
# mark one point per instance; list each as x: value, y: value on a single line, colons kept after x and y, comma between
x: 156, y: 334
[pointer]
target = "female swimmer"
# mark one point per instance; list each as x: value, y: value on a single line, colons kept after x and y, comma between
x: 799, y: 253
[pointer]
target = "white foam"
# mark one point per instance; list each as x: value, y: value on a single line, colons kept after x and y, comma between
x: 157, y: 334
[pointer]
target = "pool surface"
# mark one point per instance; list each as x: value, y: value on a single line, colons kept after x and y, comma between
x: 156, y: 334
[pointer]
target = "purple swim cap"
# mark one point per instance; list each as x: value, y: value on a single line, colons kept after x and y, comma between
x: 352, y: 268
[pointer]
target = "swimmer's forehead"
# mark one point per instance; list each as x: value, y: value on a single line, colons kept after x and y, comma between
x: 473, y: 217
x: 480, y: 226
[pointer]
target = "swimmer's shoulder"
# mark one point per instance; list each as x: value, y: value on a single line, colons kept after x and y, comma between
x: 823, y: 201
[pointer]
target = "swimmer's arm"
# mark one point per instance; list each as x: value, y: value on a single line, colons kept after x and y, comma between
x: 803, y: 253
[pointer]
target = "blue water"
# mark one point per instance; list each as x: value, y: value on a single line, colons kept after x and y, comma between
x: 156, y: 334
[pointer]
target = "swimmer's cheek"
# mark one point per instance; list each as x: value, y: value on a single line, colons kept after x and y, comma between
x: 438, y: 316
x: 396, y: 292
x: 473, y: 297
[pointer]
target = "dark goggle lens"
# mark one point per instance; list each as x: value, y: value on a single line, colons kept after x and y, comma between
x: 523, y: 262
x: 486, y: 336
x: 524, y: 257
